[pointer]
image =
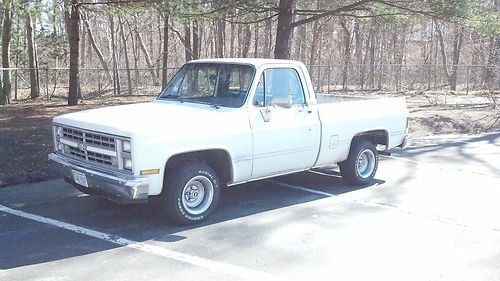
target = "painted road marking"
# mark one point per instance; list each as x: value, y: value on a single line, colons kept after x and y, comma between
x: 343, y: 198
x: 238, y: 271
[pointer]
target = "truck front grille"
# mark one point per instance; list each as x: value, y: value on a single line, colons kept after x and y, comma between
x: 99, y: 140
x: 94, y: 148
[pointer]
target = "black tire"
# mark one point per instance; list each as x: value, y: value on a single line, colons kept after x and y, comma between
x: 362, y: 152
x: 183, y: 187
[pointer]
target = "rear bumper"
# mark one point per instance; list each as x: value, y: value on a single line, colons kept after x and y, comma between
x: 120, y: 188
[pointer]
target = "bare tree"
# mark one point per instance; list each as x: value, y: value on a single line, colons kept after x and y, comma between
x: 72, y: 19
x: 6, y: 37
x: 166, y: 38
x: 96, y: 48
x: 32, y: 64
x: 458, y: 38
x: 125, y: 55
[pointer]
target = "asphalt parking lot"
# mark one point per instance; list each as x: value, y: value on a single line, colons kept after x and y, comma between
x: 433, y: 213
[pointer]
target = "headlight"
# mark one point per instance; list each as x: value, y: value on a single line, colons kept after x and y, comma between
x: 126, y: 146
x: 57, y: 135
x: 127, y: 164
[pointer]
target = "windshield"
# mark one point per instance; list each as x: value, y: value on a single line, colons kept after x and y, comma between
x: 211, y: 83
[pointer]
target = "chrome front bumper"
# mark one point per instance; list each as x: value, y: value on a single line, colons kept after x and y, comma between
x: 116, y: 187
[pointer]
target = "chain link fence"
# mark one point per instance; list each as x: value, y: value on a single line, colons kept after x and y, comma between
x: 398, y: 79
x: 404, y: 78
x: 93, y: 82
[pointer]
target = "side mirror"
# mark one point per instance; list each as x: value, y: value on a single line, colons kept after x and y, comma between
x: 284, y: 101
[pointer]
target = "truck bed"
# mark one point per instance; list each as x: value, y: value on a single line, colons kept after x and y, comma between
x: 342, y: 117
x: 336, y: 98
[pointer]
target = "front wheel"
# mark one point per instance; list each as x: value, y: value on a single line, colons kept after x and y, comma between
x: 191, y: 193
x: 361, y: 165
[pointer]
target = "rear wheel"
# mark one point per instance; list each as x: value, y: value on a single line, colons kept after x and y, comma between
x: 361, y: 165
x: 191, y: 193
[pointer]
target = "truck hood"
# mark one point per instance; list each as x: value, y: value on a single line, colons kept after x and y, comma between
x: 145, y: 118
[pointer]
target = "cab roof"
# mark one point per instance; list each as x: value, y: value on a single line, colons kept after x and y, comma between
x: 251, y: 61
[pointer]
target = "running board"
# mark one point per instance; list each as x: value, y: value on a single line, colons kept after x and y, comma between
x: 385, y: 152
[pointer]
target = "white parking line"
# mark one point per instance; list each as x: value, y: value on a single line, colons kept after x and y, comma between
x: 237, y: 271
x: 310, y: 190
x: 343, y: 198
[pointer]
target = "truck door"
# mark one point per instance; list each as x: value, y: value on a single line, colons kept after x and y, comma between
x: 285, y: 130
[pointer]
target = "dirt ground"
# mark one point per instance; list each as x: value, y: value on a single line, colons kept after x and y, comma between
x: 26, y: 140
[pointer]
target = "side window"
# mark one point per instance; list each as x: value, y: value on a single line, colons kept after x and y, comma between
x: 280, y: 82
x: 258, y: 99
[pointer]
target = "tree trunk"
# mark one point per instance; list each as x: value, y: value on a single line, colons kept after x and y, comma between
x: 116, y: 76
x: 196, y: 44
x: 164, y: 77
x: 147, y: 57
x: 221, y: 28
x: 371, y: 71
x: 127, y: 62
x: 72, y: 14
x: 247, y: 37
x: 268, y: 34
x: 239, y: 36
x: 358, y: 53
x: 302, y: 37
x: 231, y: 44
x: 83, y: 46
x: 135, y: 52
x: 188, y: 49
x: 493, y: 59
x: 398, y: 56
x: 256, y: 42
x: 5, y: 92
x: 96, y: 47
x: 314, y: 47
x: 34, y: 88
x: 347, y: 53
x: 284, y: 30
x: 457, y: 46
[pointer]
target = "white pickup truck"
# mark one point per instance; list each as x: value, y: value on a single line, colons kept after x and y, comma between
x: 223, y: 122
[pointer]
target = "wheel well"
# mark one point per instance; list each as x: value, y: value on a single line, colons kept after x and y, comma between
x: 375, y: 136
x: 217, y: 159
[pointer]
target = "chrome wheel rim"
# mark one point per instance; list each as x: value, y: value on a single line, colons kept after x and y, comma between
x: 366, y: 163
x: 197, y: 195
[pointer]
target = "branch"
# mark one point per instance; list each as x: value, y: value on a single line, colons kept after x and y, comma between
x: 374, y: 15
x: 250, y: 22
x: 179, y: 35
x: 111, y: 2
x: 347, y: 8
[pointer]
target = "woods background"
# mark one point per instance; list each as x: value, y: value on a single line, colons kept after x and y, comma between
x: 89, y: 47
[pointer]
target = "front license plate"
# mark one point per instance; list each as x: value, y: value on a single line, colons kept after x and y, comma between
x: 80, y: 178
